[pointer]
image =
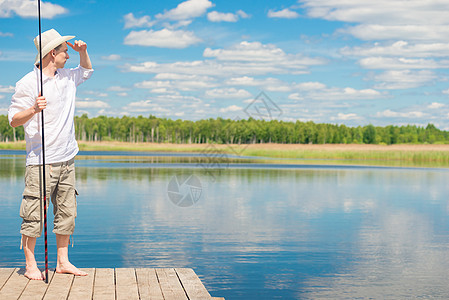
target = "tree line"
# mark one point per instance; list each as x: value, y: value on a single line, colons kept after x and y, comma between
x: 244, y: 131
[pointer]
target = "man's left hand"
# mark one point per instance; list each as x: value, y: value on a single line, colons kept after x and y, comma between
x: 79, y: 46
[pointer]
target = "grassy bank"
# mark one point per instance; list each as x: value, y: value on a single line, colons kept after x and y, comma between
x: 411, y: 155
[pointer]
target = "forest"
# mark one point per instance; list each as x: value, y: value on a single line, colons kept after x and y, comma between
x: 244, y: 131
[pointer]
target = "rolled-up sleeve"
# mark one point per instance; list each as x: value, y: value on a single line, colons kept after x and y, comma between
x: 21, y: 100
x: 81, y: 74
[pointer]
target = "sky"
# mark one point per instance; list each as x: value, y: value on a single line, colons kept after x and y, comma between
x: 349, y: 62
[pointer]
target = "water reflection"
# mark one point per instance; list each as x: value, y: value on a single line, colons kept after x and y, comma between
x: 259, y: 233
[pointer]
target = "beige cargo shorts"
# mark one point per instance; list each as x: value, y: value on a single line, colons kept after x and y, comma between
x: 60, y: 181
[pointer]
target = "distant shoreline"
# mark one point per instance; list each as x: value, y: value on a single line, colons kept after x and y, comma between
x: 398, y: 154
x: 128, y: 146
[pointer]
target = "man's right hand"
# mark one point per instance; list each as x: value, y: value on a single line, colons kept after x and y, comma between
x: 40, y: 104
x: 24, y: 116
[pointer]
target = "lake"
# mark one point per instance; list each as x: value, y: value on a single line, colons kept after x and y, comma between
x: 252, y: 230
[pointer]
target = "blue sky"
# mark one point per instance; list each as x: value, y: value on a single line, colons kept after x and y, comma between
x: 344, y: 62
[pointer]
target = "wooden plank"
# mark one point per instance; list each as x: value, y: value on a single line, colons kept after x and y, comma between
x: 59, y: 287
x: 15, y: 285
x: 192, y: 284
x: 4, y: 276
x: 148, y: 284
x: 104, y: 284
x: 36, y: 289
x: 163, y: 282
x: 170, y: 285
x: 126, y: 284
x: 83, y: 286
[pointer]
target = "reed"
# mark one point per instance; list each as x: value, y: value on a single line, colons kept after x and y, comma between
x: 409, y: 155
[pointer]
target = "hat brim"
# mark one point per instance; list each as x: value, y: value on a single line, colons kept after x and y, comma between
x: 52, y: 45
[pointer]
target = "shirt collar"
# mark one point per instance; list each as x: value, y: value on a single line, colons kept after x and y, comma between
x: 44, y: 77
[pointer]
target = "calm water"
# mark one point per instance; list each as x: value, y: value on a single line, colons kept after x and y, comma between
x: 254, y: 231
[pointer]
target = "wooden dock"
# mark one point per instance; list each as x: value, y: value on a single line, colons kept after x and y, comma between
x: 106, y: 284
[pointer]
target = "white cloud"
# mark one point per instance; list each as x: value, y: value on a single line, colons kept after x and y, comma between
x: 231, y: 108
x: 118, y: 89
x: 165, y: 85
x: 410, y: 32
x: 176, y: 99
x: 145, y: 106
x: 404, y: 79
x: 409, y: 39
x: 319, y: 91
x: 170, y: 82
x: 228, y: 93
x: 255, y: 52
x: 95, y: 93
x: 243, y: 14
x: 211, y: 68
x: 187, y: 10
x: 28, y: 9
x: 131, y: 21
x: 91, y: 104
x: 6, y: 89
x: 216, y: 16
x: 6, y: 34
x: 178, y: 24
x: 165, y: 105
x: 286, y: 13
x: 402, y: 63
x: 245, y: 80
x: 386, y: 19
x: 399, y: 48
x: 436, y: 105
x: 267, y: 84
x: 393, y: 114
x: 306, y: 86
x: 112, y: 57
x: 174, y: 76
x: 242, y: 59
x: 345, y: 117
x: 153, y: 84
x: 164, y: 38
x: 295, y: 96
x: 143, y: 103
x: 161, y: 90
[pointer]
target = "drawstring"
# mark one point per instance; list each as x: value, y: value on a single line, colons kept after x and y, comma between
x: 21, y: 242
x: 73, y: 240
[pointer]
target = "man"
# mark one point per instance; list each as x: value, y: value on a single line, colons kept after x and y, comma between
x: 60, y: 145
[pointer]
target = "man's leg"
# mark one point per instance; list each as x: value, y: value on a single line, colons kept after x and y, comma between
x: 32, y: 271
x: 63, y: 264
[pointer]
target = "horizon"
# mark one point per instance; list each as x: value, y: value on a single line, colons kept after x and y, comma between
x: 348, y: 63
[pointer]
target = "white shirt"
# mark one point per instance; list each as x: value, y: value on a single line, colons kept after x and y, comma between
x: 59, y: 128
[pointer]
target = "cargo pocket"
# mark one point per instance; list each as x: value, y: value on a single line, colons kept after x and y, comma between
x: 30, y: 208
x: 32, y: 182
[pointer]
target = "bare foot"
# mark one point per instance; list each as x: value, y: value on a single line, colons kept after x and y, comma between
x: 34, y: 273
x: 68, y: 268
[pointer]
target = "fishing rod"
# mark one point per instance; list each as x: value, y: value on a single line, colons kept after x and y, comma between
x: 43, y: 144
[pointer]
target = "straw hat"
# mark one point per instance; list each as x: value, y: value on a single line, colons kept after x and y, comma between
x: 50, y: 40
